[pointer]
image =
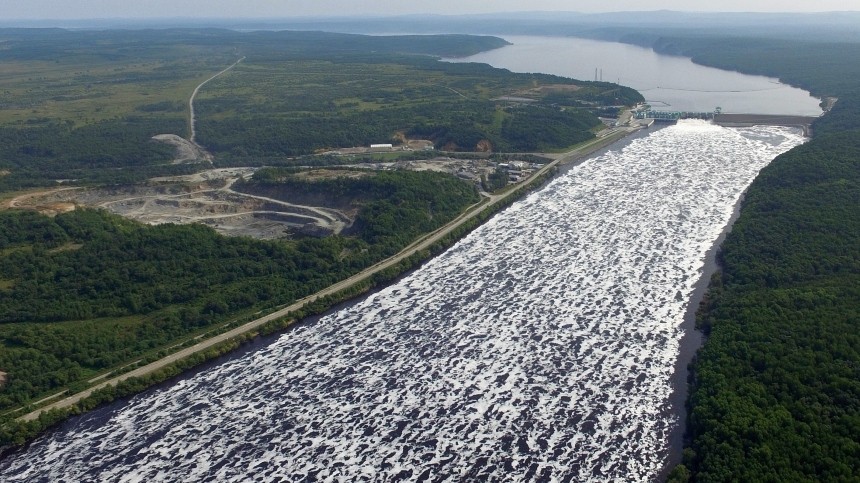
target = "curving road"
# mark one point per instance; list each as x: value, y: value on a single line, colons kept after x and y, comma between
x: 192, y: 120
x: 326, y: 218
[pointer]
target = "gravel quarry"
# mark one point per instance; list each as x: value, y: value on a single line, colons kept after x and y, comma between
x: 206, y: 197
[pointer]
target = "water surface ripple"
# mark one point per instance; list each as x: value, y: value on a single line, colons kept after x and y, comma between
x: 539, y: 348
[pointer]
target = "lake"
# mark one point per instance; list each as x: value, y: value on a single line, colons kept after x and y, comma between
x: 667, y: 82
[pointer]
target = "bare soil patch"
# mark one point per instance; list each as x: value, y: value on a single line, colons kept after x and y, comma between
x: 33, y: 201
x: 206, y: 198
x: 550, y: 89
x: 419, y: 144
x: 68, y: 247
x: 53, y: 209
x: 186, y: 151
x: 560, y: 88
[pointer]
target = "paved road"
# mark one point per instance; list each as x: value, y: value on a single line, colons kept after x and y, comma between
x: 419, y: 245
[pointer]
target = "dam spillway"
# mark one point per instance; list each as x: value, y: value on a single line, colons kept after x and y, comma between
x: 731, y: 120
x: 746, y: 120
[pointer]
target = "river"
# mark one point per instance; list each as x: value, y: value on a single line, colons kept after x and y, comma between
x: 541, y: 347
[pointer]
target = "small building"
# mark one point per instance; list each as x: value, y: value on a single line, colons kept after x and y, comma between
x: 382, y: 147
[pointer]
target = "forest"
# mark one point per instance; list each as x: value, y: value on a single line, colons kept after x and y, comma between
x: 328, y: 104
x: 86, y: 291
x: 775, y: 391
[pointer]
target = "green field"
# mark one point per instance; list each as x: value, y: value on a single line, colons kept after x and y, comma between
x: 89, y: 91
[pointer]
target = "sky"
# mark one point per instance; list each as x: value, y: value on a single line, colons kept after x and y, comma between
x: 92, y: 9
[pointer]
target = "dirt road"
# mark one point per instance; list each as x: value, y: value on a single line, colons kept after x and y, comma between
x: 192, y: 120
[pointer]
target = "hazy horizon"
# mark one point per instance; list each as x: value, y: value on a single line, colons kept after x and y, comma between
x: 254, y: 9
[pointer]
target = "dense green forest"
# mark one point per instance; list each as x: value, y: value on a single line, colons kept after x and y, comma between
x: 104, y: 152
x: 288, y: 107
x: 396, y: 206
x: 775, y: 393
x: 86, y: 291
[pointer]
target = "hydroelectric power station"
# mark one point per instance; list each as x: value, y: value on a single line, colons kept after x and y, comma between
x: 673, y: 116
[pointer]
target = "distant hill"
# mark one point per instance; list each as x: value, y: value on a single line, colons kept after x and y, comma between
x: 833, y: 26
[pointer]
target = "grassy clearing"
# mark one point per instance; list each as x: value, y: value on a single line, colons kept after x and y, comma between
x: 10, y: 250
x: 85, y: 93
x: 68, y: 247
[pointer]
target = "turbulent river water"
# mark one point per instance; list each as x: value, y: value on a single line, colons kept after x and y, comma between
x: 541, y: 347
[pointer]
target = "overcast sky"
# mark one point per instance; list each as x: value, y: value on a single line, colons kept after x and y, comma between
x: 75, y: 9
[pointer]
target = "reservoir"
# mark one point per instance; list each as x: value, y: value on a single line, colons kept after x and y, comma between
x: 667, y: 82
x: 541, y: 347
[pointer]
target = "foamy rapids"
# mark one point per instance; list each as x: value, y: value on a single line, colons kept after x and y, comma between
x: 539, y: 348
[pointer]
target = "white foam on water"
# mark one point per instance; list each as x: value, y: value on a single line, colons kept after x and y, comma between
x: 539, y: 348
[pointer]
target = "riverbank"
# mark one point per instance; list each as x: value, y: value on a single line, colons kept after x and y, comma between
x: 170, y: 366
x: 692, y: 340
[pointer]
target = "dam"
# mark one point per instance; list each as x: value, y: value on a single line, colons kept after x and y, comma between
x: 748, y: 120
x: 672, y: 116
x: 732, y: 120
